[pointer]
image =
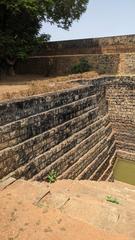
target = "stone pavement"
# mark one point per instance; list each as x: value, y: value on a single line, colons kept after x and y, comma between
x: 66, y: 210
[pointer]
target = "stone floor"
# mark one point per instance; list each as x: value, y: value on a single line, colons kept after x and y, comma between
x: 66, y: 210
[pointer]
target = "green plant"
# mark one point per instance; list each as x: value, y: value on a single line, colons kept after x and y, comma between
x: 112, y: 199
x: 82, y: 66
x: 52, y: 176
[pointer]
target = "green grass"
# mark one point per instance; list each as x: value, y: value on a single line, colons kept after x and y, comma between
x: 112, y: 200
x: 52, y: 176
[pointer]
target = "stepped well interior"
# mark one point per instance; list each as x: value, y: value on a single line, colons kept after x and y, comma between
x: 79, y: 132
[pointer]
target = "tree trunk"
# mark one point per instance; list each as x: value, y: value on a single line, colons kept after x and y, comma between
x: 11, y: 64
x: 11, y: 71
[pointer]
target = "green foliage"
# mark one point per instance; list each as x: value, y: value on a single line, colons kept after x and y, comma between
x: 19, y: 28
x: 64, y: 12
x: 82, y: 66
x: 112, y: 199
x: 52, y: 176
x: 21, y: 20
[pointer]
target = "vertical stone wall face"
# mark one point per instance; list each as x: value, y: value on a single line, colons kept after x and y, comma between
x: 68, y: 132
x: 121, y: 109
x: 60, y: 65
x: 104, y: 45
x: 127, y: 63
x: 109, y: 55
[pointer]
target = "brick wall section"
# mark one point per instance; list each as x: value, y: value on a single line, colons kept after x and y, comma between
x: 117, y: 44
x: 109, y: 55
x: 60, y: 65
x: 64, y: 131
x: 121, y: 109
x: 127, y: 63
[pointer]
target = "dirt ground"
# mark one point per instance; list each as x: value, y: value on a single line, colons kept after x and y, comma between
x: 27, y: 85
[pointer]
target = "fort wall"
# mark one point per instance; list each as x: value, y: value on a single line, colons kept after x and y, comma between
x: 110, y: 55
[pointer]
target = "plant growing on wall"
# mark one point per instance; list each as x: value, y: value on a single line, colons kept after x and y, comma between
x: 21, y: 20
x: 82, y: 66
x: 52, y: 176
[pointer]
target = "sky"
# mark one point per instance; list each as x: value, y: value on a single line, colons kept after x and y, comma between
x: 103, y: 18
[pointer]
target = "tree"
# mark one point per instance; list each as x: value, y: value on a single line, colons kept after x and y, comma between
x: 21, y: 20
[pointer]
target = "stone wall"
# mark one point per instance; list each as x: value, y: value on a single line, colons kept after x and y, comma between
x: 127, y: 63
x: 77, y: 132
x: 104, y: 45
x: 61, y: 65
x: 67, y: 131
x: 109, y: 55
x: 121, y: 108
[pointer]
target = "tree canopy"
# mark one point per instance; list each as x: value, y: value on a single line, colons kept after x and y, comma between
x: 21, y: 21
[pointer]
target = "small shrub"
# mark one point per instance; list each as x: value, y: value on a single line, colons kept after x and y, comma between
x: 112, y: 199
x: 52, y: 176
x: 82, y: 66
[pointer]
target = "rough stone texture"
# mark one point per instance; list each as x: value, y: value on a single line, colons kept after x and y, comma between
x: 127, y: 63
x: 70, y: 131
x: 109, y: 55
x: 67, y: 131
x: 116, y: 44
x: 121, y: 109
x: 60, y: 65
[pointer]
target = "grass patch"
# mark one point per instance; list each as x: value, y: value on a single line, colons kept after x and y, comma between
x: 112, y: 200
x: 52, y: 176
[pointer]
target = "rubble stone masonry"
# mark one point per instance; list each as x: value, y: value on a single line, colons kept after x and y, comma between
x: 77, y: 132
x: 109, y: 55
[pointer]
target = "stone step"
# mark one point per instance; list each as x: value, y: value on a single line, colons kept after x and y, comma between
x: 26, y: 107
x: 88, y: 158
x: 68, y: 159
x: 83, y: 162
x: 101, y: 156
x: 43, y: 204
x: 95, y: 190
x: 80, y: 119
x: 95, y: 176
x: 127, y: 129
x: 43, y: 160
x: 125, y: 146
x: 73, y: 187
x: 4, y: 183
x: 126, y: 155
x: 125, y: 137
x: 104, y: 165
x: 22, y: 153
x: 104, y: 176
x: 21, y: 130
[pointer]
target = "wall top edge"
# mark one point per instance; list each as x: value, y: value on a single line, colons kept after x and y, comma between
x: 96, y: 38
x: 95, y: 82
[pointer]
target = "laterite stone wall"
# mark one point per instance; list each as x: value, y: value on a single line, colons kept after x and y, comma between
x: 109, y: 55
x: 79, y: 133
x: 121, y: 108
x: 67, y: 131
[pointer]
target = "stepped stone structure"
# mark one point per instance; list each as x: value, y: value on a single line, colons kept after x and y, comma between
x: 110, y: 55
x: 77, y: 132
